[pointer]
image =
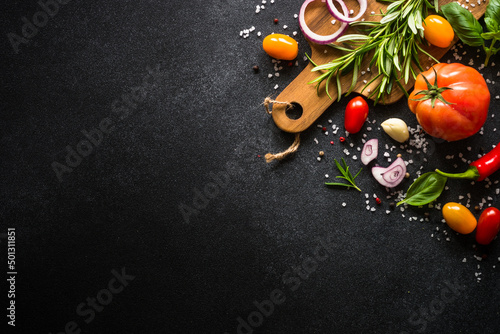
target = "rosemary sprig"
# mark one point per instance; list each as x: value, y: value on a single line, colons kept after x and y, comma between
x: 394, y: 44
x: 346, y: 175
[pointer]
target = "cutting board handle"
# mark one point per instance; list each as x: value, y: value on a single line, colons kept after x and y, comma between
x: 301, y: 94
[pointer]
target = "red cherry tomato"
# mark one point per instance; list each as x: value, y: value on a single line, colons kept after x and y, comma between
x: 356, y: 113
x: 488, y: 226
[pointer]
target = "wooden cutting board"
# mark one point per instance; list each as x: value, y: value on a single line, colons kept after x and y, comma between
x: 299, y: 92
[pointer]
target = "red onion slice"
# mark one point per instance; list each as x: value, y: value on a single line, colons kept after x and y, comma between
x: 316, y: 38
x: 363, y: 4
x: 370, y: 151
x: 392, y: 175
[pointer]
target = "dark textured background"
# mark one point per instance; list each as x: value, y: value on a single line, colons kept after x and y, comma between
x: 200, y: 116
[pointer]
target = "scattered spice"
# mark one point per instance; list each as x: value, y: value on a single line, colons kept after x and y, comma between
x: 342, y: 139
x: 256, y: 69
x: 276, y: 21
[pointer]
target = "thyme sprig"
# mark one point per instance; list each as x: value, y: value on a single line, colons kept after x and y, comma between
x: 346, y: 175
x: 394, y: 44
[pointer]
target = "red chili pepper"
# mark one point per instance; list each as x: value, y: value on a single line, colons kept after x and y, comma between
x: 481, y: 168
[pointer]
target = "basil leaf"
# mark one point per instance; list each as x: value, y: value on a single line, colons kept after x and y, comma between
x: 491, y: 24
x: 467, y: 28
x: 425, y: 189
x: 490, y: 35
x: 492, y: 13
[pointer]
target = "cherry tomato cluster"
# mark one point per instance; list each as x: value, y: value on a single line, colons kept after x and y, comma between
x: 461, y: 220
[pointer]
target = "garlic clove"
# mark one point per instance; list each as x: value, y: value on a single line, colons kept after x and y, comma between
x: 397, y: 129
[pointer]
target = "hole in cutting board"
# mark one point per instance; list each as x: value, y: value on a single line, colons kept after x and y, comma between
x: 295, y: 112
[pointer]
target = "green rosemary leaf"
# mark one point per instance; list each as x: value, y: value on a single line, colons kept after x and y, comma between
x: 353, y: 37
x: 339, y: 86
x: 327, y: 84
x: 355, y: 72
x: 320, y: 78
x: 323, y: 67
x: 339, y: 184
x: 394, y: 5
x: 412, y: 23
x: 312, y: 62
x: 346, y: 175
x: 390, y: 17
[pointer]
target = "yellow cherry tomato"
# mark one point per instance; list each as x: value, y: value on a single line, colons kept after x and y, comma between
x: 438, y: 31
x: 459, y: 218
x: 281, y: 46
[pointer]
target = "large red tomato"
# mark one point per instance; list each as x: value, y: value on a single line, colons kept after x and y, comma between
x: 453, y: 103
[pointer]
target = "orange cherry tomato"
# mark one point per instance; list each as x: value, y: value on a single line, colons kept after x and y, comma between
x: 488, y: 226
x: 459, y: 218
x: 281, y: 46
x: 438, y: 31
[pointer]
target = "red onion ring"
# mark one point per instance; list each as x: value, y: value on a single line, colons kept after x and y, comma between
x: 370, y: 151
x: 392, y: 175
x: 316, y: 38
x: 345, y: 18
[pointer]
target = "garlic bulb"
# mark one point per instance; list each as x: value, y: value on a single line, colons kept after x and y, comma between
x: 397, y: 129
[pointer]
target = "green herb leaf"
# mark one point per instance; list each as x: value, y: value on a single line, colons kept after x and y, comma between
x: 352, y: 37
x: 492, y: 14
x: 392, y: 44
x: 425, y: 189
x: 389, y: 17
x: 467, y: 28
x: 412, y: 23
x: 346, y: 175
x: 491, y: 25
x: 491, y: 35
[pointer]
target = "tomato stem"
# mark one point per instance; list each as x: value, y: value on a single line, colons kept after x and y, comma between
x: 433, y: 92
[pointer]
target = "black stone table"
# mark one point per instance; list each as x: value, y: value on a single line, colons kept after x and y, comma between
x: 136, y: 196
